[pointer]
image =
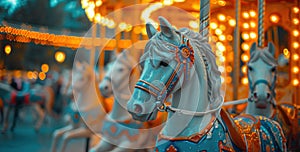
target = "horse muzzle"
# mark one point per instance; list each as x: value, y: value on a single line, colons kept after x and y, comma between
x: 140, y: 113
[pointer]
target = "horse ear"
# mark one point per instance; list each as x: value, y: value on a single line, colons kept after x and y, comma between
x: 166, y: 27
x: 253, y: 48
x: 271, y: 48
x: 150, y: 30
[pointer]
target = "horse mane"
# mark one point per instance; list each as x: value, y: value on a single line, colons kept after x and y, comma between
x: 263, y: 54
x: 207, y: 58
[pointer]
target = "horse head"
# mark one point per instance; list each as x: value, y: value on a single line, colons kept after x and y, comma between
x: 262, y: 75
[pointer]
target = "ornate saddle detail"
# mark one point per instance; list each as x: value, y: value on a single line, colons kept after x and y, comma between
x: 287, y: 116
x: 249, y: 126
x: 233, y: 130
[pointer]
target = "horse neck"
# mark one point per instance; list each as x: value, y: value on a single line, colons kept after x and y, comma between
x: 193, y: 97
x: 119, y: 111
x: 267, y: 112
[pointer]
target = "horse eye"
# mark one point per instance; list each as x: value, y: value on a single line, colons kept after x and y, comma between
x: 121, y: 69
x: 250, y: 68
x: 163, y: 63
x: 273, y: 69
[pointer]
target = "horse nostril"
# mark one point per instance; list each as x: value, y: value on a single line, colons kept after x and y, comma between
x: 255, y: 95
x: 138, y: 108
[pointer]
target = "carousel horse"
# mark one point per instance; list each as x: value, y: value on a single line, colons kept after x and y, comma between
x: 119, y: 79
x: 262, y: 80
x: 181, y: 62
x: 40, y: 98
x: 86, y: 116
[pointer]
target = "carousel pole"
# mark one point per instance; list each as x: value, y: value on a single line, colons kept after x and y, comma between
x: 236, y: 64
x: 204, y: 18
x: 261, y: 19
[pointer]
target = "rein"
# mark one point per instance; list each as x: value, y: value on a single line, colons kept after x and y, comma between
x: 185, y: 59
x: 271, y: 87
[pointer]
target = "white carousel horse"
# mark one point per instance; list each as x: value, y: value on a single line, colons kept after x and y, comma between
x: 86, y: 115
x: 38, y: 98
x: 182, y: 62
x: 262, y: 82
x: 119, y: 79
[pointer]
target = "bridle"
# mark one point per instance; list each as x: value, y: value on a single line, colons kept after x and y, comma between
x: 271, y: 86
x: 184, y: 56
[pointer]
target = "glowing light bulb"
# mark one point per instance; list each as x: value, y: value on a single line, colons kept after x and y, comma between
x: 286, y: 53
x: 245, y: 57
x: 252, y: 24
x: 122, y: 26
x: 45, y: 68
x: 222, y: 3
x: 296, y: 57
x: 245, y: 25
x: 29, y: 75
x: 295, y: 33
x: 60, y: 56
x: 295, y: 69
x: 221, y: 17
x: 295, y: 21
x: 245, y: 36
x: 252, y: 13
x: 245, y: 46
x: 42, y: 75
x: 228, y: 79
x: 295, y: 45
x: 213, y: 25
x: 228, y: 69
x: 7, y: 49
x: 252, y: 35
x: 246, y: 15
x: 218, y: 32
x: 274, y: 18
x: 222, y: 38
x: 295, y: 82
x: 295, y: 10
x: 245, y: 80
x: 229, y: 37
x: 232, y: 22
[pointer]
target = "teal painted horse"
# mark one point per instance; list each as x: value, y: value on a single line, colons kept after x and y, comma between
x: 262, y: 73
x: 181, y: 62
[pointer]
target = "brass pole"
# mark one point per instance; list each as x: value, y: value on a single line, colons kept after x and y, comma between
x: 236, y: 62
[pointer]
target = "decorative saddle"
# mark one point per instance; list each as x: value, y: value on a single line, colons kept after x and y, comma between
x: 243, y: 133
x: 287, y: 115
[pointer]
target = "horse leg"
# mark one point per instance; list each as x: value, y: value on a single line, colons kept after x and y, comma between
x: 103, y: 146
x: 82, y: 132
x: 57, y: 134
x: 41, y: 118
x: 6, y: 119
